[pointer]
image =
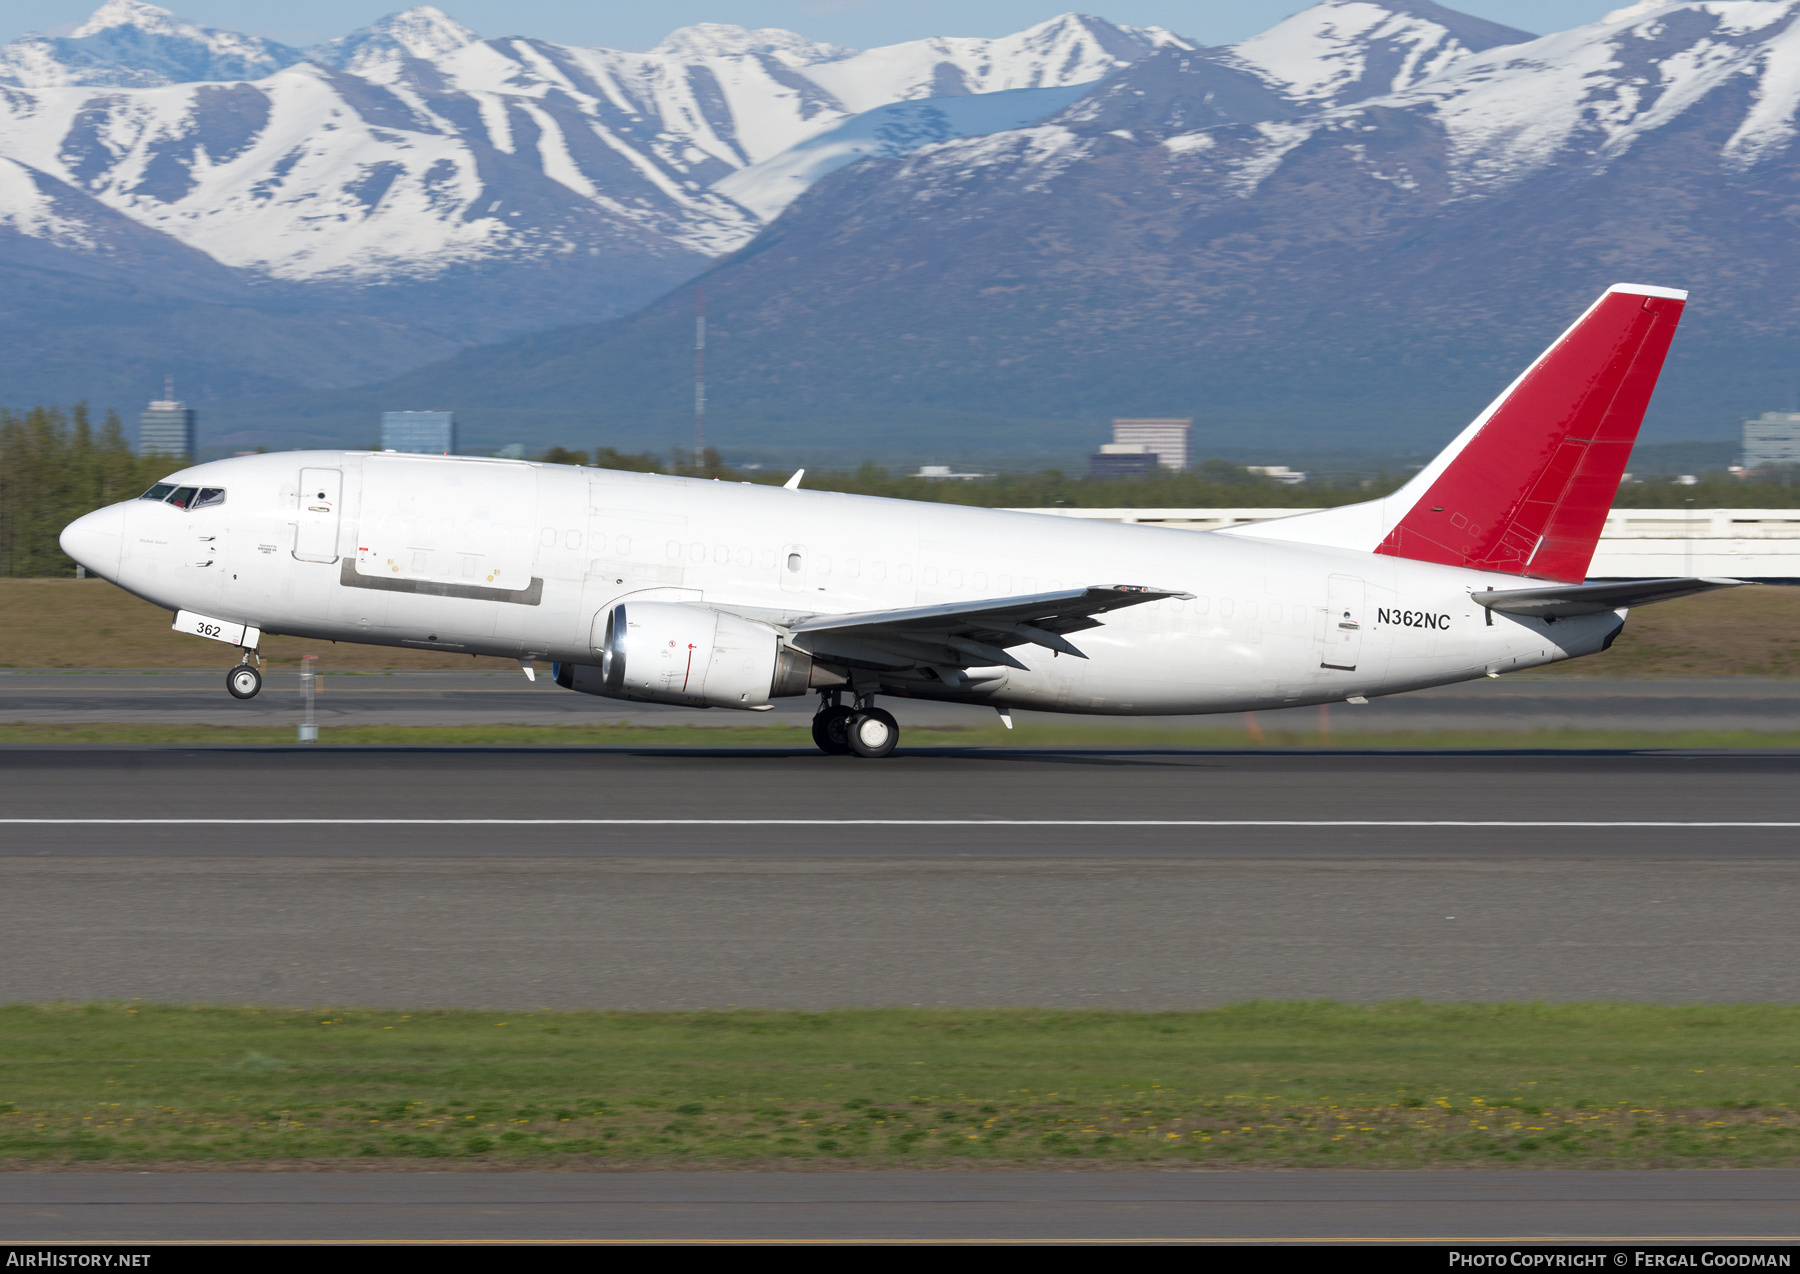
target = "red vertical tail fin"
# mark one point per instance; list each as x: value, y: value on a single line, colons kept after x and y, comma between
x: 1525, y: 489
x: 1527, y: 492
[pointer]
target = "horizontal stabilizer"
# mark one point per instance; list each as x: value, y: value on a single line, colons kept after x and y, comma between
x: 1567, y: 600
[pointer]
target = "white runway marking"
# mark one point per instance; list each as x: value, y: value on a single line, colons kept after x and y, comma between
x: 867, y: 822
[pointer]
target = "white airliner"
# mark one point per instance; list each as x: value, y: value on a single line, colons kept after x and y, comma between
x: 728, y: 595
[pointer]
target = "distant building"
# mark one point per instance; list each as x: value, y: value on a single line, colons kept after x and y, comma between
x: 1123, y: 460
x: 939, y: 473
x: 1772, y: 438
x: 1167, y: 437
x: 166, y: 427
x: 431, y: 433
x: 1279, y: 472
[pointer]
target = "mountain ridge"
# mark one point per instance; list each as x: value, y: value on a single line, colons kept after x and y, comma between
x: 1377, y: 268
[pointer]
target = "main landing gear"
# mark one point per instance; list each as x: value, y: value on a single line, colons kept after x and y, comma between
x: 864, y: 730
x: 244, y: 680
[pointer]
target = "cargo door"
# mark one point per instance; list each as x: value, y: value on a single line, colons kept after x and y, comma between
x: 1343, y: 635
x: 316, y: 531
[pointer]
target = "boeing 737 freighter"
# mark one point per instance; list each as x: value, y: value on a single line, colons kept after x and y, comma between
x: 729, y: 595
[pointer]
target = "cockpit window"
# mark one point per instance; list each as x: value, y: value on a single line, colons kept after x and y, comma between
x: 183, y: 497
x: 158, y: 492
x: 208, y: 497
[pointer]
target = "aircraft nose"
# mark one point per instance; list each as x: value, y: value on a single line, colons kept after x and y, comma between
x: 95, y: 540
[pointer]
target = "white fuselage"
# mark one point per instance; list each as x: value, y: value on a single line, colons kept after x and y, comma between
x: 506, y: 558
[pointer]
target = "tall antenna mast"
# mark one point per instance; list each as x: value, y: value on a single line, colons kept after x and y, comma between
x: 168, y: 387
x: 700, y: 376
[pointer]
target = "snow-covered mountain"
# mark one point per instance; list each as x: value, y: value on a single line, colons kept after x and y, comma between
x: 1187, y: 238
x: 1345, y: 50
x: 413, y: 148
x: 128, y: 44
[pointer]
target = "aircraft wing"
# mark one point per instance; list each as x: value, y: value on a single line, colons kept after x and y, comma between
x: 1564, y: 600
x: 968, y: 634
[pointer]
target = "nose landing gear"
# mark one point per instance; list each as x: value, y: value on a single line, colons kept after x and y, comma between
x: 244, y: 680
x: 864, y: 730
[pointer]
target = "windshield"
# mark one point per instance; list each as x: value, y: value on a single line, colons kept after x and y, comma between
x: 158, y: 492
x: 208, y: 496
x: 183, y: 497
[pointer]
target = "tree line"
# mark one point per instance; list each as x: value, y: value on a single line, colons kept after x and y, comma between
x: 1211, y: 484
x: 54, y: 467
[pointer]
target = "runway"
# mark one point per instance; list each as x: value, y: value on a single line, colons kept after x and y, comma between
x: 1101, y: 877
x: 647, y: 878
x: 489, y: 698
x: 896, y: 1207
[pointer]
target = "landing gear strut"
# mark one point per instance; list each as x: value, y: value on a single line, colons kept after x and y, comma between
x: 864, y: 730
x: 244, y: 680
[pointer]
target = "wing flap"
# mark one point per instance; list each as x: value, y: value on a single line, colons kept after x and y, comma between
x: 969, y: 634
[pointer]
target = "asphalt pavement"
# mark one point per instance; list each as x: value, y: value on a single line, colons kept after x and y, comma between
x: 1470, y: 1206
x: 670, y: 878
x: 489, y: 698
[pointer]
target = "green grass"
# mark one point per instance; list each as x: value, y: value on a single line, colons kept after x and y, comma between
x: 1266, y: 1084
x: 781, y: 736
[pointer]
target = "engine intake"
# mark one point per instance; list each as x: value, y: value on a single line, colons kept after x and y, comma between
x: 670, y: 652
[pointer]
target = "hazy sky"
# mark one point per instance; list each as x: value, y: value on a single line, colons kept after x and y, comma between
x: 857, y: 23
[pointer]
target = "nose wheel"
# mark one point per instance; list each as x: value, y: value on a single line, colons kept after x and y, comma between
x: 243, y: 682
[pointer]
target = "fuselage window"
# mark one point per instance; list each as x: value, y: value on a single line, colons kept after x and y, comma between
x: 208, y: 497
x: 159, y: 492
x: 794, y: 563
x: 183, y: 497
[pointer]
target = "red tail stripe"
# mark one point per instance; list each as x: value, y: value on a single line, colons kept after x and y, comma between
x: 1530, y: 492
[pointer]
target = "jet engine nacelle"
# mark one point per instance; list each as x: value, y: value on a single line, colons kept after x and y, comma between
x: 670, y: 652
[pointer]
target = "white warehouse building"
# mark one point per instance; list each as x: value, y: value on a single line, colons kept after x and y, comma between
x: 1754, y: 544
